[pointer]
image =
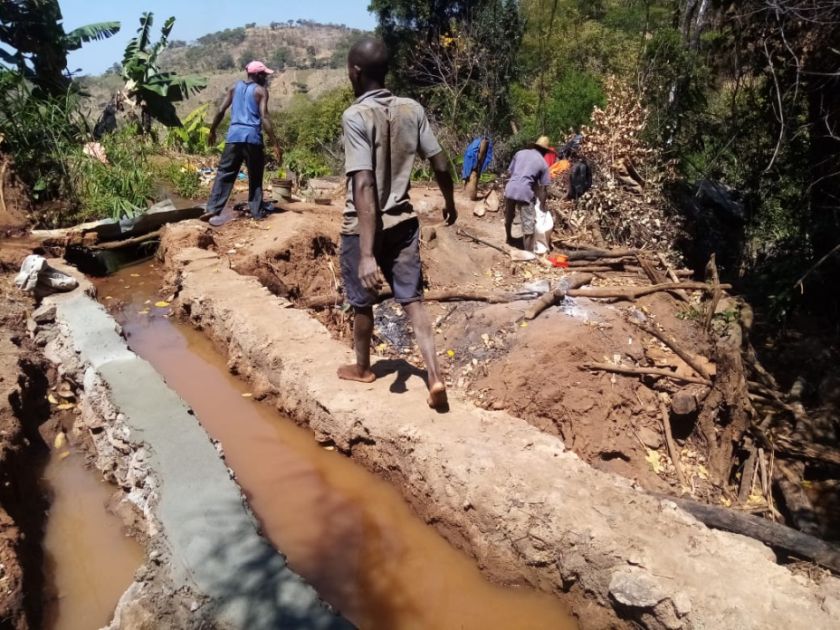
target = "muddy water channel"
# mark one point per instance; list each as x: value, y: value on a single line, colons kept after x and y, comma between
x: 347, y: 532
x: 89, y: 561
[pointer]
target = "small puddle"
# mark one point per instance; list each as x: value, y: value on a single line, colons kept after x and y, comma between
x: 89, y: 562
x: 349, y: 533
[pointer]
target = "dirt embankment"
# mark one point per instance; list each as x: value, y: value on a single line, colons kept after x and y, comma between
x: 23, y: 408
x: 533, y: 369
x: 505, y: 491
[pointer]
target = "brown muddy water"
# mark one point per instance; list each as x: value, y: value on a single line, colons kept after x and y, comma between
x: 89, y: 562
x: 349, y: 533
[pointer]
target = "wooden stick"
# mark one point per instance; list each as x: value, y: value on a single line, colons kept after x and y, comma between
x: 796, y: 501
x: 673, y: 276
x: 619, y: 369
x: 650, y: 272
x: 748, y: 476
x: 810, y: 452
x: 128, y: 242
x: 557, y: 294
x: 624, y: 293
x: 632, y: 293
x: 473, y: 237
x: 323, y: 301
x: 612, y: 262
x: 669, y: 341
x: 776, y: 535
x: 717, y: 293
x: 665, y: 417
x: 595, y: 254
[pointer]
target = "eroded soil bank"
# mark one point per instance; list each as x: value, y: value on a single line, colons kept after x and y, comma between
x: 348, y: 533
x: 503, y: 490
x: 23, y: 454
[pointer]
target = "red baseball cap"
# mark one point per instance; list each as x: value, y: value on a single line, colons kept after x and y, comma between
x: 257, y: 67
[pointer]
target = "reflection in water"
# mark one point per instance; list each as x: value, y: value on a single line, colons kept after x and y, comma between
x: 89, y: 561
x: 347, y: 532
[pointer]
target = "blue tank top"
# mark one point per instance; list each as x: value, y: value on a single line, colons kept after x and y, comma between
x: 245, y: 122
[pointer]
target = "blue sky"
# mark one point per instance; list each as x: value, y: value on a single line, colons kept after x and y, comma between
x: 194, y: 19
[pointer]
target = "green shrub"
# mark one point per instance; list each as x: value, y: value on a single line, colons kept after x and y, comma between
x: 571, y: 101
x: 183, y: 179
x: 310, y: 130
x: 119, y: 188
x: 192, y: 136
x: 41, y: 133
x: 306, y: 163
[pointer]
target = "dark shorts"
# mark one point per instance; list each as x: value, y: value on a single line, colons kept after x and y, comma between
x: 397, y: 253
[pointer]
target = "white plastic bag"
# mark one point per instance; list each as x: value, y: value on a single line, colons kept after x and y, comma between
x: 542, y: 228
x: 35, y: 271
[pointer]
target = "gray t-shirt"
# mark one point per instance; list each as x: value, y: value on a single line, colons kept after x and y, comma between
x: 384, y: 134
x: 527, y: 171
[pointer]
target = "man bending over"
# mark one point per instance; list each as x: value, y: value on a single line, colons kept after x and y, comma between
x: 380, y: 235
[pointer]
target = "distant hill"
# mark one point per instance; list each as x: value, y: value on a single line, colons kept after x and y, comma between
x: 301, y: 45
x: 309, y: 59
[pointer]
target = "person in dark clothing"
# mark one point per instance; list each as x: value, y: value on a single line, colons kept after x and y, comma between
x: 249, y: 116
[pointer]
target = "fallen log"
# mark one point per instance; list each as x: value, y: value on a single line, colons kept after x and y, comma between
x: 633, y: 293
x: 594, y: 254
x: 788, y: 480
x: 626, y: 293
x: 748, y: 475
x: 669, y: 341
x: 557, y: 294
x: 656, y: 278
x: 611, y: 262
x: 717, y: 292
x: 620, y: 369
x: 808, y: 452
x: 773, y: 534
x: 110, y: 245
x: 673, y: 275
x: 669, y: 441
x: 324, y: 301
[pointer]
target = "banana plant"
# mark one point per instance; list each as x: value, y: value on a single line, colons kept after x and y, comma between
x: 33, y: 40
x: 152, y: 90
x: 191, y: 137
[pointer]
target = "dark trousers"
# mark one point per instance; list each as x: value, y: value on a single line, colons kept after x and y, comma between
x: 229, y: 164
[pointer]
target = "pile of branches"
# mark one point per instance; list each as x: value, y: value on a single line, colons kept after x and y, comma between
x: 626, y: 205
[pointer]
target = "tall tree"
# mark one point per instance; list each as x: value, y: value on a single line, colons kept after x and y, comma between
x: 34, y: 31
x: 456, y: 55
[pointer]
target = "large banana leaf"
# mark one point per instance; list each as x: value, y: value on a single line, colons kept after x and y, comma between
x: 174, y: 87
x: 89, y: 33
x: 144, y: 32
x: 181, y: 88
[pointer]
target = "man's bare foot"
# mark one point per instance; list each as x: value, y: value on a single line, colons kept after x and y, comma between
x: 355, y: 373
x: 437, y: 396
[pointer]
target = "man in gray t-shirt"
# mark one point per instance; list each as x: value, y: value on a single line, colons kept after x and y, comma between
x: 528, y: 182
x: 380, y: 234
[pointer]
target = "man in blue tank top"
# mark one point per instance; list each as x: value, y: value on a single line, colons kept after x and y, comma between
x: 248, y: 117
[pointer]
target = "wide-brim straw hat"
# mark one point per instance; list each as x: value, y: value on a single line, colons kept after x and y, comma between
x: 543, y: 143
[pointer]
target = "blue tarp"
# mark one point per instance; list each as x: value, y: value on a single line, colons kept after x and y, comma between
x: 471, y: 157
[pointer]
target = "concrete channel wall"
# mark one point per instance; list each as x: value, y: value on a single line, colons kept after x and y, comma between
x: 207, y: 564
x: 513, y: 497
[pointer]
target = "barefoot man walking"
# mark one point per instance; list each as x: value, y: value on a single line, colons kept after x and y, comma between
x: 380, y: 235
